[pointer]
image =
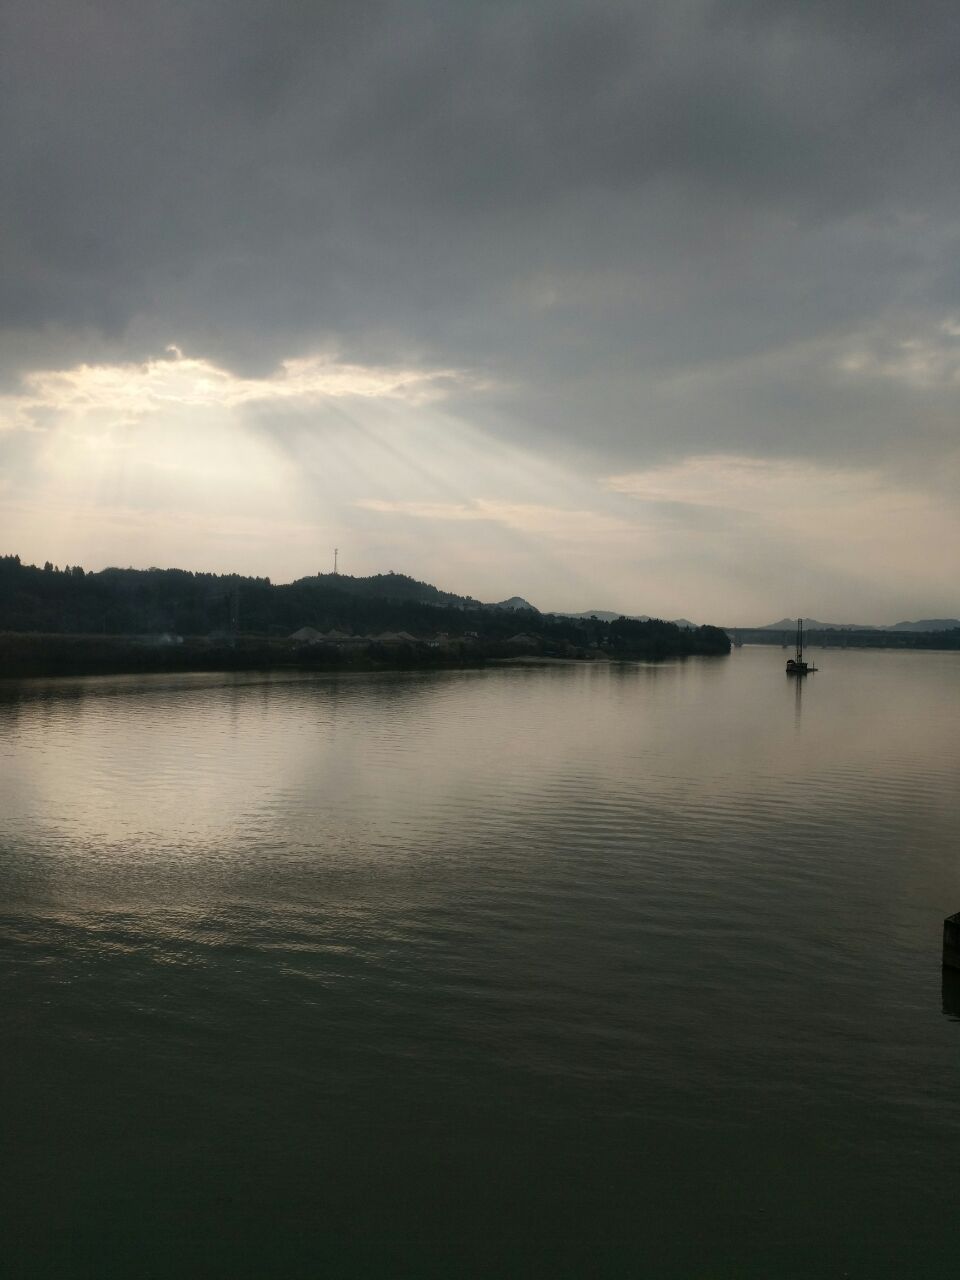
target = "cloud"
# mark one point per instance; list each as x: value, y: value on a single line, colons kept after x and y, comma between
x: 258, y: 179
x: 837, y: 530
x: 128, y: 391
x: 928, y: 360
x: 605, y: 240
x: 789, y: 488
x: 530, y: 518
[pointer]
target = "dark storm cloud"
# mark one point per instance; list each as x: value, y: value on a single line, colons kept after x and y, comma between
x: 581, y: 201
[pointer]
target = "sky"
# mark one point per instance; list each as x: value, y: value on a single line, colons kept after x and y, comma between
x: 651, y: 307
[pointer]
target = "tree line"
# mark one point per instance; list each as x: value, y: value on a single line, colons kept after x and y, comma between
x: 142, y: 602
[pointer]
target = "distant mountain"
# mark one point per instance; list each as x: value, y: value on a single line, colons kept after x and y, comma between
x: 812, y: 624
x: 605, y: 615
x: 514, y: 604
x: 926, y: 624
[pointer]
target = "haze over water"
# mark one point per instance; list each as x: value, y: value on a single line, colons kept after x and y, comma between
x: 616, y: 970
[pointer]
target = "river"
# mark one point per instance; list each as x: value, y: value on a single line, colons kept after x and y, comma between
x: 575, y: 970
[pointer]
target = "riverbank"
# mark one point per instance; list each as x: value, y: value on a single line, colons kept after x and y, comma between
x: 58, y: 655
x: 24, y: 655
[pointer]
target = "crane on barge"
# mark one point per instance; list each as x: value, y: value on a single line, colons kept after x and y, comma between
x: 796, y: 666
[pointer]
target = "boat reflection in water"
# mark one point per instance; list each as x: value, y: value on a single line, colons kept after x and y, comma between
x: 796, y: 666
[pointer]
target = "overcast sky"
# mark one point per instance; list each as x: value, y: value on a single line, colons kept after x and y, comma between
x: 649, y: 306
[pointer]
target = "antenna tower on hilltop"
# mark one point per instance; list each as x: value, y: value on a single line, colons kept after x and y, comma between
x: 336, y: 552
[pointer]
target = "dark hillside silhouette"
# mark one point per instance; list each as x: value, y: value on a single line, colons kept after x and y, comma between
x: 215, y: 613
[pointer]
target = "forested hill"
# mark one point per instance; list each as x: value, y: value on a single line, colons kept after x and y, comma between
x: 144, y: 602
x: 387, y: 586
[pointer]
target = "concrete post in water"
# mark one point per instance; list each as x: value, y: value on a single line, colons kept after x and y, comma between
x: 951, y: 942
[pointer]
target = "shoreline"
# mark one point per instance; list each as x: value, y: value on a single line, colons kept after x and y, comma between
x: 46, y: 657
x: 25, y: 656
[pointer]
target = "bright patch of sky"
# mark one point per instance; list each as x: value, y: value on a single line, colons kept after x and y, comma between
x: 177, y: 460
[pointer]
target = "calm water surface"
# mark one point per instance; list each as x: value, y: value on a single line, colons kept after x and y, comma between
x: 563, y: 971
